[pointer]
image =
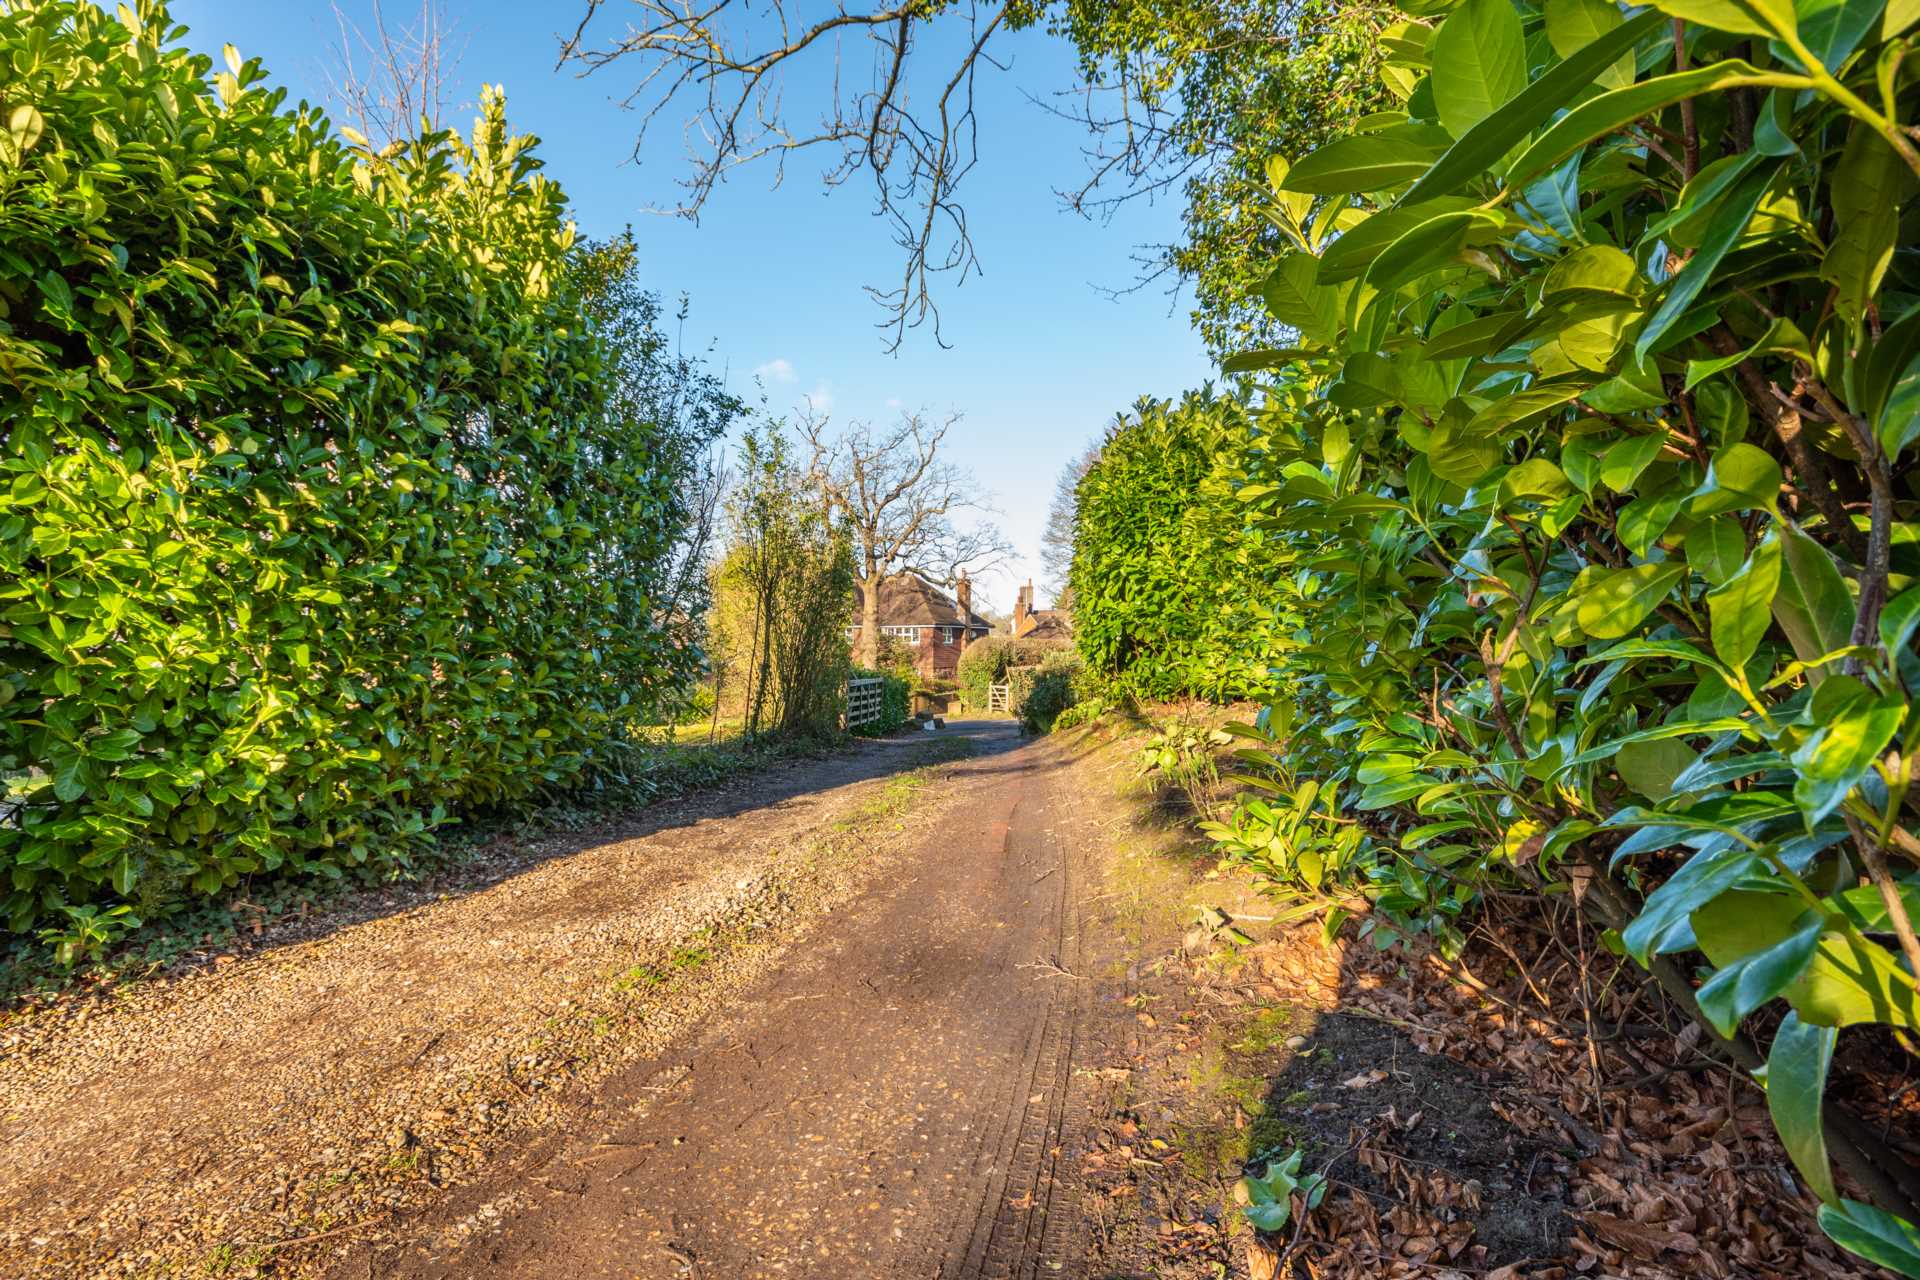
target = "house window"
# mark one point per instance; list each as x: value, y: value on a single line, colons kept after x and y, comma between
x: 904, y: 633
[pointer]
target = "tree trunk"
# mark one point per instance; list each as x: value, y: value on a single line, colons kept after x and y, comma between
x: 869, y: 654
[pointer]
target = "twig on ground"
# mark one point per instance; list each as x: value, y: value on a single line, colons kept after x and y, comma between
x: 309, y: 1239
x: 1052, y: 969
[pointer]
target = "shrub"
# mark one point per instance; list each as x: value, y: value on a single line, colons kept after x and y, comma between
x: 1589, y: 489
x: 1080, y: 713
x: 988, y: 660
x: 1164, y: 570
x: 314, y: 523
x: 1040, y: 693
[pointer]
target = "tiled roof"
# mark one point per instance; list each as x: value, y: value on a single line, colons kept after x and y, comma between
x: 1050, y: 624
x: 911, y: 601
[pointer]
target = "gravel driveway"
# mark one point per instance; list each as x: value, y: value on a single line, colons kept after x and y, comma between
x: 373, y: 1087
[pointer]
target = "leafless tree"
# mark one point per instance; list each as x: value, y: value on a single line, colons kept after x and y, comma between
x: 392, y: 80
x: 1056, y: 540
x: 899, y: 499
x: 907, y: 126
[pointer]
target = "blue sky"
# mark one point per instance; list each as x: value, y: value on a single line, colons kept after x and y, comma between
x: 1040, y: 359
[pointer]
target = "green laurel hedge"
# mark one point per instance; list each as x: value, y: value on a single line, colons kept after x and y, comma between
x: 1166, y: 575
x: 1588, y: 485
x: 314, y: 523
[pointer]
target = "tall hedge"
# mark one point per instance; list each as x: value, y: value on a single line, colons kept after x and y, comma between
x: 1590, y: 477
x: 1164, y: 572
x: 314, y: 524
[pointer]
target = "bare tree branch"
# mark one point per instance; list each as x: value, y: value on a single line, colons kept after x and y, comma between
x: 393, y: 81
x: 724, y: 62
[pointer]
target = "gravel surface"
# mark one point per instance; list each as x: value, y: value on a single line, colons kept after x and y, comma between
x: 236, y: 1118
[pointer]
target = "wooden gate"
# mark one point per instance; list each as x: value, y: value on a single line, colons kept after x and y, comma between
x: 997, y: 696
x: 863, y: 700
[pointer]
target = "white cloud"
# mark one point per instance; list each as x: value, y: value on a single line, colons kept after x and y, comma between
x: 779, y: 369
x: 820, y: 399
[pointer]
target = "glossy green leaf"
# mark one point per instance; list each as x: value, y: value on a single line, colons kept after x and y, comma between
x: 1368, y: 161
x: 1873, y: 1234
x: 1730, y: 221
x: 1717, y: 548
x: 1663, y: 922
x: 1481, y: 146
x: 1796, y: 1089
x: 1423, y: 248
x: 1604, y: 114
x: 1868, y: 188
x: 1595, y: 272
x: 1476, y: 337
x: 1624, y: 461
x: 1479, y: 62
x: 1348, y: 257
x: 1743, y: 17
x: 1459, y: 451
x: 1814, y: 607
x: 1651, y: 766
x: 1847, y: 982
x: 1841, y: 749
x: 1537, y: 479
x: 1741, y: 608
x: 1642, y: 522
x: 1898, y: 618
x: 1892, y: 354
x: 1510, y: 411
x: 1833, y: 29
x: 1573, y: 25
x: 1741, y: 477
x: 1614, y: 602
x: 1294, y: 297
x: 1758, y: 977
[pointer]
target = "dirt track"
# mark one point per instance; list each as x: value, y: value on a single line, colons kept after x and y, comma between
x: 889, y: 1102
x: 810, y: 1027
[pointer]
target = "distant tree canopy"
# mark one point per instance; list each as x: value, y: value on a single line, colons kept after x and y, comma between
x: 1056, y: 539
x: 904, y: 507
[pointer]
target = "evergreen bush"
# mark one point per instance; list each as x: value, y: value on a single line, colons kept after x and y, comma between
x: 315, y: 525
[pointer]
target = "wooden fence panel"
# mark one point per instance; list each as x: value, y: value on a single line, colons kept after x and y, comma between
x: 863, y: 700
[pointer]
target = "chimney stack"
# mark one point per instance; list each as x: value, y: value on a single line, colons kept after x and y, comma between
x: 1023, y: 609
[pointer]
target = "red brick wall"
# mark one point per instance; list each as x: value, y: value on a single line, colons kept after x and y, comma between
x: 934, y: 659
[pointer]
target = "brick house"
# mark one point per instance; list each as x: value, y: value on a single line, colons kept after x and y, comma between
x: 937, y: 627
x: 1030, y: 623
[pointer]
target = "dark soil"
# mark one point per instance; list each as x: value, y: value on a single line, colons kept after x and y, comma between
x: 1440, y: 1114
